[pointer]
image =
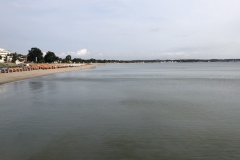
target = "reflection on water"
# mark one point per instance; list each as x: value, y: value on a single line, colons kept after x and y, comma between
x: 130, y: 111
x: 3, y: 88
x: 35, y: 85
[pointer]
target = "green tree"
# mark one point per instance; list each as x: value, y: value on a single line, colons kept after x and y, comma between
x: 68, y: 58
x: 50, y: 57
x: 35, y: 53
x: 57, y: 58
x: 15, y: 57
x: 93, y: 60
x: 77, y: 60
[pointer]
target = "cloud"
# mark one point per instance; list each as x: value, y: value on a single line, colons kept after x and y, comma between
x: 82, y: 52
x: 62, y: 55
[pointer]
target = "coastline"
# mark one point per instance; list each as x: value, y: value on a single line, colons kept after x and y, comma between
x: 16, y: 76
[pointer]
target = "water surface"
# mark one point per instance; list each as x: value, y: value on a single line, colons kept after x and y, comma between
x: 124, y: 111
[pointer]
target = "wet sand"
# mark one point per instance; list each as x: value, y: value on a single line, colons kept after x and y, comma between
x: 16, y: 76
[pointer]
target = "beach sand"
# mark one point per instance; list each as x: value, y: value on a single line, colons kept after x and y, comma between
x: 16, y: 76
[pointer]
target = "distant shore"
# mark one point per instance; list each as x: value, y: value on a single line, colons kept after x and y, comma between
x: 16, y: 76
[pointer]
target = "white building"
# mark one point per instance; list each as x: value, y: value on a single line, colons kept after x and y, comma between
x: 4, y: 53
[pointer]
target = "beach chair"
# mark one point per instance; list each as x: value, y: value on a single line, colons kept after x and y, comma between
x: 5, y: 70
x: 10, y: 70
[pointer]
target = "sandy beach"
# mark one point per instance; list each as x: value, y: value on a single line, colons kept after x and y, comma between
x: 16, y: 76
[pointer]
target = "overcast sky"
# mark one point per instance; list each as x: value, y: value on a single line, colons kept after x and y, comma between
x: 123, y: 29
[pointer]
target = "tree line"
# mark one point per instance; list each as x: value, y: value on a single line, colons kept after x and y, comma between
x: 35, y: 55
x: 51, y: 57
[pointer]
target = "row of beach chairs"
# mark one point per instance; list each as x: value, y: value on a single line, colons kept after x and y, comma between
x: 31, y: 67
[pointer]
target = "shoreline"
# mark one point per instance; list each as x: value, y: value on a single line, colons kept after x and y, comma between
x: 17, y: 76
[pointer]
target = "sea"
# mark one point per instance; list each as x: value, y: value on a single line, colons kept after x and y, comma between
x: 142, y: 111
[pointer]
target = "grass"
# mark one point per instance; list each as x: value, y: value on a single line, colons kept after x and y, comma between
x: 7, y: 64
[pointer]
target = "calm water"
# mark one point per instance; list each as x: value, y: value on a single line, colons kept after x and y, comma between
x: 130, y: 111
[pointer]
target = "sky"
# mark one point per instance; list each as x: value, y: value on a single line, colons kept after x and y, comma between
x: 123, y: 29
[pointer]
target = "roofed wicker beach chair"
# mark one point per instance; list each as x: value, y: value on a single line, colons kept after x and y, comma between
x: 10, y: 70
x: 4, y: 70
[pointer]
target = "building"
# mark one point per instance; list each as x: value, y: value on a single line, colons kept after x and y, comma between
x: 4, y: 54
x: 24, y: 57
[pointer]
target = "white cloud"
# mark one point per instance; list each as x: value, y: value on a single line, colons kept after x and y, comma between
x: 62, y: 55
x: 82, y: 52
